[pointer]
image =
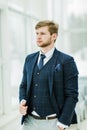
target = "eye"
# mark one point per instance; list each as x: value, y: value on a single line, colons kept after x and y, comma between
x: 37, y: 33
x: 42, y: 33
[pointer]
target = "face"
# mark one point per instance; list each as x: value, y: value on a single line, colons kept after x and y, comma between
x: 43, y: 37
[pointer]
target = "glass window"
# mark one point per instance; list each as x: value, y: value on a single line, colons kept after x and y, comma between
x: 75, y: 31
x: 32, y: 47
x: 1, y: 94
x: 17, y: 52
x: 1, y: 91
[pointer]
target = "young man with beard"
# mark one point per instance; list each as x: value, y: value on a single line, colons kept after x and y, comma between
x: 49, y: 89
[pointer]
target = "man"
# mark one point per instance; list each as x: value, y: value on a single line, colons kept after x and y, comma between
x: 49, y: 89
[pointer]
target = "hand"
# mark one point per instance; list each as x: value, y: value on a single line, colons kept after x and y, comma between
x: 60, y: 128
x: 23, y: 108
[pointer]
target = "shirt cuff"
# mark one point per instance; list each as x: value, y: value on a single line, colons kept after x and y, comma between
x: 62, y: 125
x: 22, y: 101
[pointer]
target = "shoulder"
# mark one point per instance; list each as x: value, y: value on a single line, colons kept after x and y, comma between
x: 63, y: 57
x: 31, y: 56
x: 67, y: 61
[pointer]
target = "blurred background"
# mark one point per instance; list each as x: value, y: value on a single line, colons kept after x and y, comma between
x: 17, y: 39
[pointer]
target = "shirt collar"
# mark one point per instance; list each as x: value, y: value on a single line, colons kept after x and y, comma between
x: 49, y: 53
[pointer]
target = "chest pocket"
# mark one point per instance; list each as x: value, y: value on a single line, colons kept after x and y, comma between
x: 58, y: 73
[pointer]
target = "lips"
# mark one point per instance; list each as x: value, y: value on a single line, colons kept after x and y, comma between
x: 39, y: 41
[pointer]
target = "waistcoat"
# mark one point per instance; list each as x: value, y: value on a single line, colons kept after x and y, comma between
x: 39, y: 100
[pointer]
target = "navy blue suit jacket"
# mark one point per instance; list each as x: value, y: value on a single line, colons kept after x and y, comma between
x: 63, y: 85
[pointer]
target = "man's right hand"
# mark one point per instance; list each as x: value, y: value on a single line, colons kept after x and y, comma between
x: 22, y: 107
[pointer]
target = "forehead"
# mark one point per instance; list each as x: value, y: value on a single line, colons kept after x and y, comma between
x: 42, y: 29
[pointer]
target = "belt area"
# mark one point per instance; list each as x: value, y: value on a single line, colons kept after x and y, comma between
x: 43, y: 118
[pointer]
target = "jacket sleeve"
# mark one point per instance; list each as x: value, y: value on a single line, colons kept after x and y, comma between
x: 23, y: 85
x: 70, y: 91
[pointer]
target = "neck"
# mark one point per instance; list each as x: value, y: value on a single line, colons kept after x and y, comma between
x: 46, y: 49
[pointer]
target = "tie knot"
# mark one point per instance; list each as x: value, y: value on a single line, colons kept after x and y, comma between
x: 42, y: 56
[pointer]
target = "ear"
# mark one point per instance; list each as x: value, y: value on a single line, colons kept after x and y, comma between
x: 54, y: 36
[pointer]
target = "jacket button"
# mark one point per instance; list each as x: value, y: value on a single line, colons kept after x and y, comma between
x: 34, y: 108
x: 36, y: 84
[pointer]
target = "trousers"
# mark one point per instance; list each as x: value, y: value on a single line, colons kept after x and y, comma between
x: 31, y: 123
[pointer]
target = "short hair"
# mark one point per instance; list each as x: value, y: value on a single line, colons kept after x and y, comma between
x: 52, y: 27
